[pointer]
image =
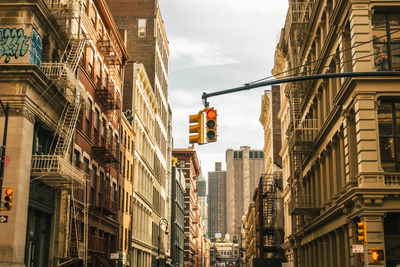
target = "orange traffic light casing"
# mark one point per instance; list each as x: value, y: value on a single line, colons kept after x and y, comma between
x: 8, y: 196
x: 196, y: 127
x: 211, y: 125
x: 362, y: 232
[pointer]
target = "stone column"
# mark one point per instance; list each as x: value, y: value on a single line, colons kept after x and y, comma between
x: 16, y: 175
x: 342, y: 162
x: 367, y: 146
x: 335, y: 163
x: 339, y: 246
x: 346, y: 246
x: 322, y: 180
x: 360, y: 26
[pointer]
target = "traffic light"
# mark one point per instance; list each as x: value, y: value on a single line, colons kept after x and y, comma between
x: 377, y: 255
x: 197, y: 127
x: 211, y: 125
x: 8, y: 196
x: 362, y: 232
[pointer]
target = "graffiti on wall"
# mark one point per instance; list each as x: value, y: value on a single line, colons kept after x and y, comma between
x: 35, y: 56
x: 13, y: 43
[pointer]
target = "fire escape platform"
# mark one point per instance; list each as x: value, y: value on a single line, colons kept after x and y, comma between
x: 56, y: 171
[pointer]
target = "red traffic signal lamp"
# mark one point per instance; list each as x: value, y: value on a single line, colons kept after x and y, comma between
x: 197, y: 127
x: 362, y: 232
x: 211, y: 125
x: 8, y: 196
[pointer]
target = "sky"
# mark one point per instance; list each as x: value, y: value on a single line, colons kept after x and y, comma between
x: 216, y: 45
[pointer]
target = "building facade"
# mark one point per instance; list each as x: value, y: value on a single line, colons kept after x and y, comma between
x: 203, y: 202
x: 126, y: 189
x: 243, y: 170
x: 216, y: 202
x: 189, y: 164
x: 63, y: 132
x: 143, y: 26
x: 341, y: 155
x: 178, y: 217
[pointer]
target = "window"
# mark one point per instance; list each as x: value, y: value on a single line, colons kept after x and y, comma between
x: 89, y: 119
x: 75, y: 158
x: 94, y: 177
x: 240, y: 154
x: 101, y: 181
x: 96, y: 126
x: 386, y: 37
x: 142, y: 27
x: 389, y: 134
x: 86, y: 165
x: 127, y: 202
x: 90, y: 63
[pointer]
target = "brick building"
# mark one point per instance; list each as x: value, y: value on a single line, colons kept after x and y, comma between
x: 143, y: 29
x: 63, y: 133
x: 189, y: 164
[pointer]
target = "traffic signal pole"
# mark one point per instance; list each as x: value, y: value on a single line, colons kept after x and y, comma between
x: 3, y: 148
x: 249, y: 86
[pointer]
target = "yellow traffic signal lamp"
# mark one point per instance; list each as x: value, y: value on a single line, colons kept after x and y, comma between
x: 211, y: 125
x: 377, y: 255
x: 197, y: 128
x: 362, y: 232
x: 8, y: 196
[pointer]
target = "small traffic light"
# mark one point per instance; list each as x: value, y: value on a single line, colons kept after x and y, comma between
x: 362, y: 232
x: 8, y: 198
x: 377, y: 255
x: 197, y: 127
x: 211, y: 125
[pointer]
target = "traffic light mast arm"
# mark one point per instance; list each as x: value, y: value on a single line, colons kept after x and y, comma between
x: 249, y: 86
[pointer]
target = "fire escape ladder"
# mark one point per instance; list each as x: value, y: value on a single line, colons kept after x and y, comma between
x: 66, y: 128
x: 75, y: 47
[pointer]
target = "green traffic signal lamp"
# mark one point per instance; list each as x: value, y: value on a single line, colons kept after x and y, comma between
x: 211, y: 125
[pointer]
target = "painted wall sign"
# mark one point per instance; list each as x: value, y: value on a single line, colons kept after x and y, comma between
x: 13, y: 43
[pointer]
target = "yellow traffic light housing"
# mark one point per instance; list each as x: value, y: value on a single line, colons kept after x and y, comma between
x: 8, y: 196
x: 362, y: 232
x: 211, y: 125
x: 197, y: 127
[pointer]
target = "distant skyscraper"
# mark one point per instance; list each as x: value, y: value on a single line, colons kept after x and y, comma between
x: 202, y: 187
x: 243, y: 171
x: 216, y: 201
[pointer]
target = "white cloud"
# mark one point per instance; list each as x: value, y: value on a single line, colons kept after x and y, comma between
x: 196, y: 53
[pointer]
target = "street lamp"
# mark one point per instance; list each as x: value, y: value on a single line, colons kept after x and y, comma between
x: 163, y: 221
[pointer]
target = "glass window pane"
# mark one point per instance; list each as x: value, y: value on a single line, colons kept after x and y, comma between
x: 395, y: 56
x: 385, y: 119
x: 379, y: 27
x: 380, y: 57
x: 387, y: 153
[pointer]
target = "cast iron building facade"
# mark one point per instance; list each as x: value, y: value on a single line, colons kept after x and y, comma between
x: 216, y: 201
x: 340, y: 136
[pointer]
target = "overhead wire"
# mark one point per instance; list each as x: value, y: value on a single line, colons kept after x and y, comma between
x: 326, y: 57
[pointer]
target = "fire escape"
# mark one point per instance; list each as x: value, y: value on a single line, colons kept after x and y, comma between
x: 302, y: 129
x: 54, y: 169
x: 272, y: 227
x: 106, y: 147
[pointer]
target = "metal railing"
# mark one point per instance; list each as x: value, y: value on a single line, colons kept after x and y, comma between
x: 54, y: 165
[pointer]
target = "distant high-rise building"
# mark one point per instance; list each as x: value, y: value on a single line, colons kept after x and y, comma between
x: 244, y: 168
x: 202, y: 186
x: 202, y: 191
x: 216, y: 201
